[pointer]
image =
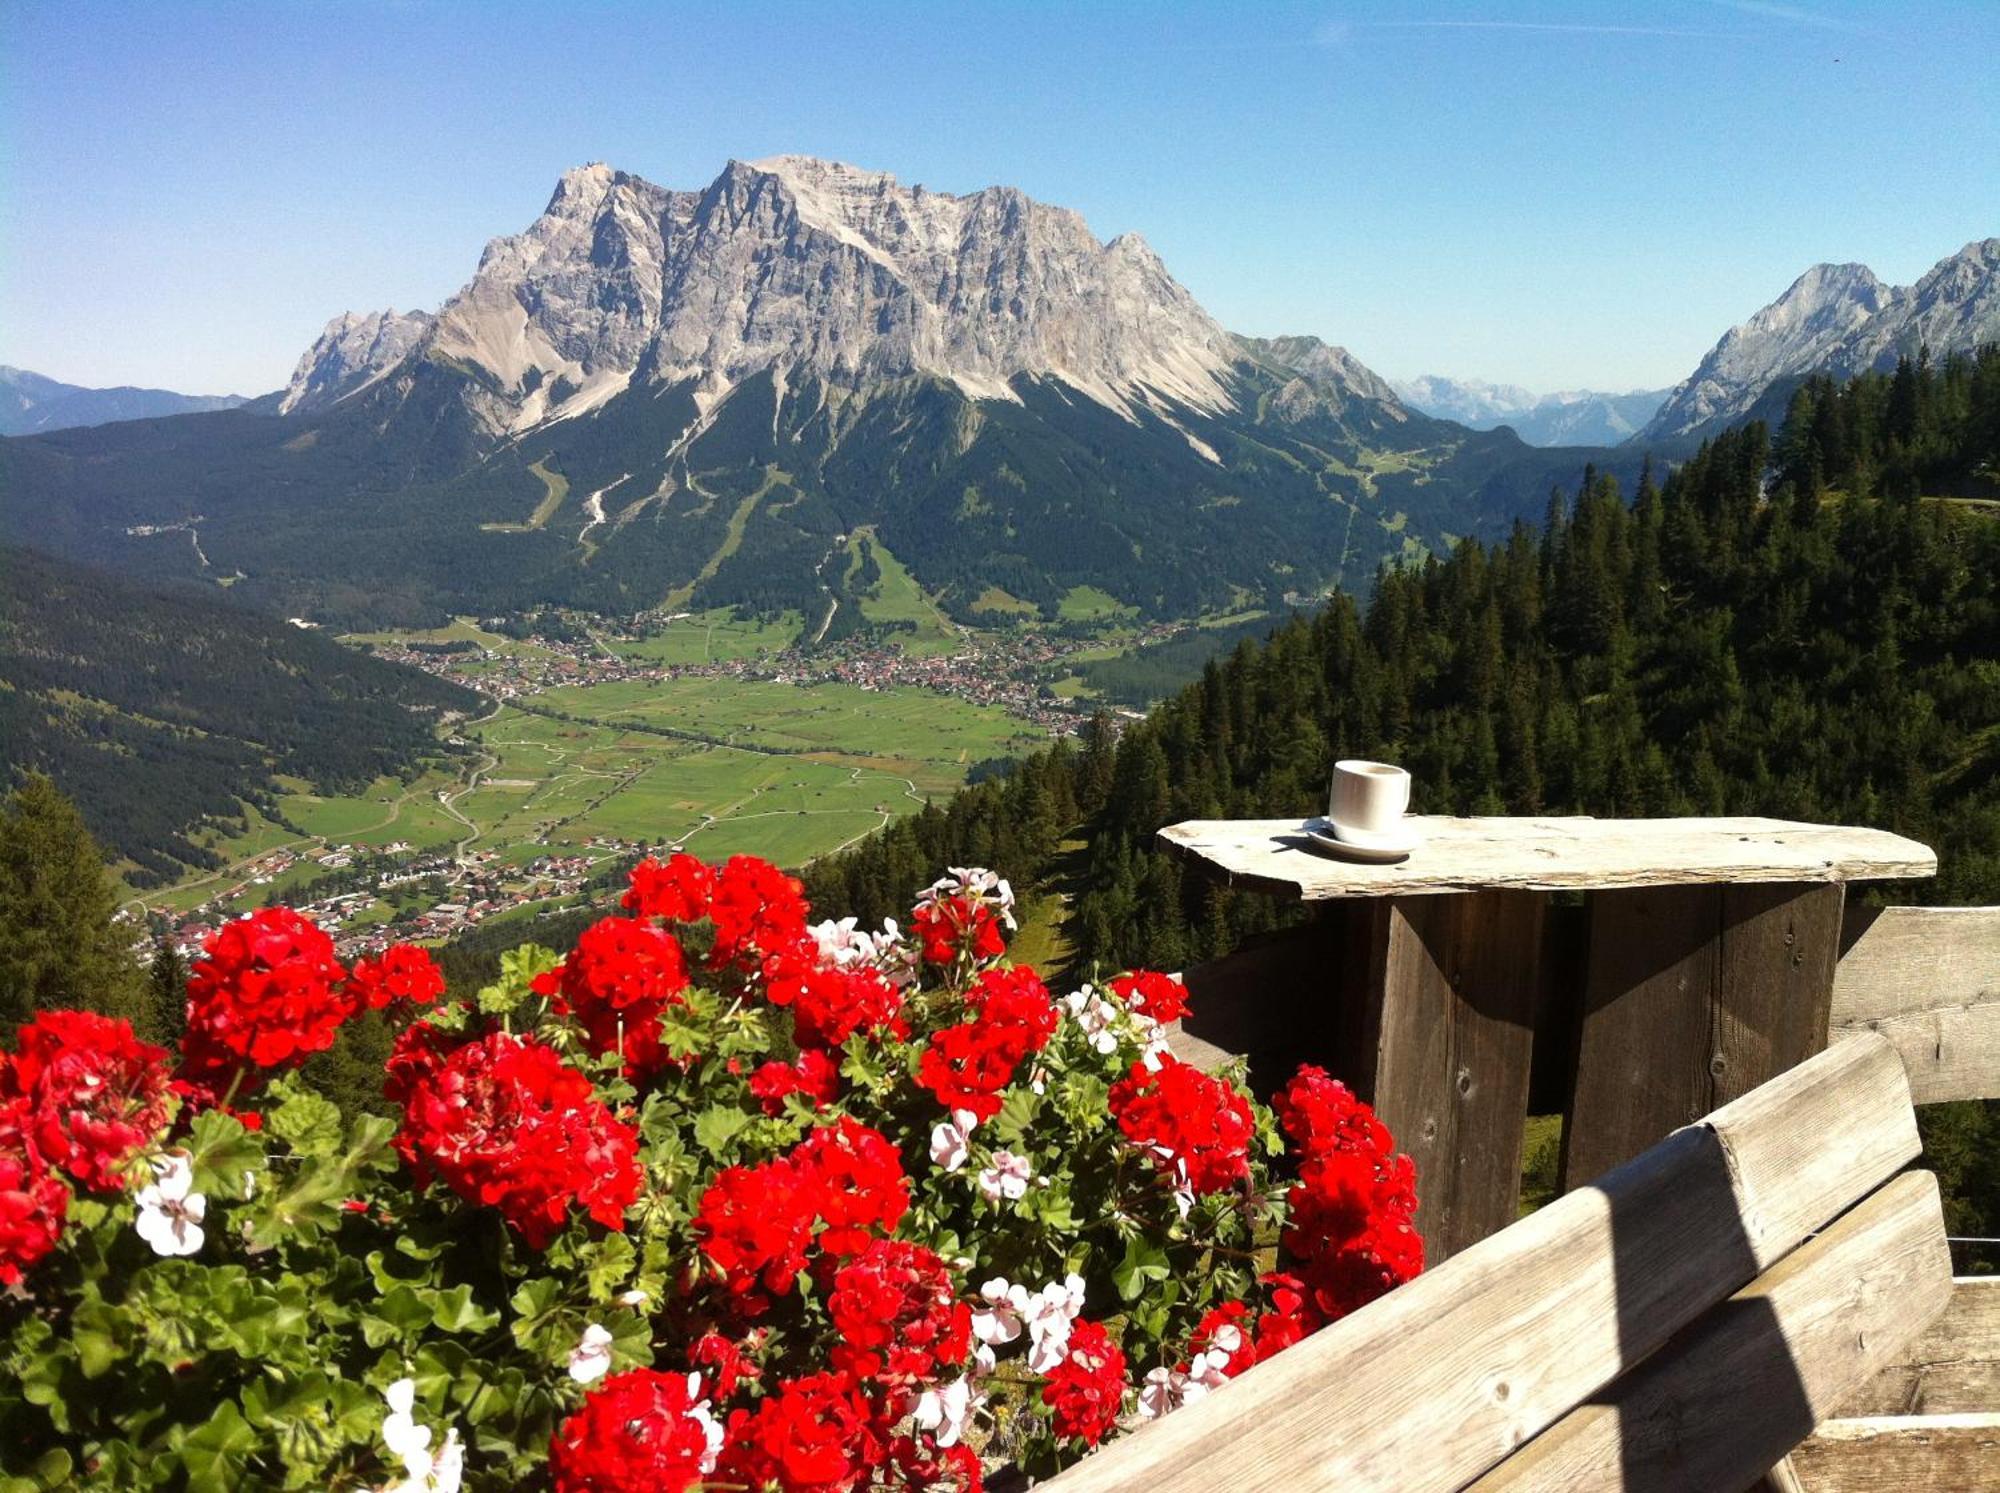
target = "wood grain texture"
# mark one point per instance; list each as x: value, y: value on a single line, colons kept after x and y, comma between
x: 1928, y: 979
x: 1563, y: 854
x: 1455, y: 982
x: 1434, y: 1384
x: 1903, y: 1454
x: 1954, y: 1368
x: 1730, y: 1396
x: 1692, y: 996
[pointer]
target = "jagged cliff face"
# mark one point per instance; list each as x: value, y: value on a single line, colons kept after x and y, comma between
x: 1838, y: 319
x: 815, y: 272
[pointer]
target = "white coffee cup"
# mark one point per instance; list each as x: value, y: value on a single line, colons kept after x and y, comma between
x: 1368, y: 798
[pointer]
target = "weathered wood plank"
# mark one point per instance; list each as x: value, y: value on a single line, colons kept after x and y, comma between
x: 1276, y: 1001
x: 1731, y: 1395
x: 1903, y: 1454
x: 1928, y: 979
x: 1953, y: 1369
x: 1460, y: 855
x: 1693, y: 995
x: 1453, y: 984
x: 1471, y: 1360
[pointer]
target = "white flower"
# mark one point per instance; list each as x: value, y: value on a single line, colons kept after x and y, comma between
x: 424, y: 1471
x: 1160, y: 1392
x: 634, y: 1298
x: 1095, y: 1017
x: 591, y: 1356
x: 944, y: 1412
x: 999, y: 1321
x: 951, y: 1140
x: 1007, y: 1178
x: 1048, y: 1314
x: 711, y: 1428
x: 170, y: 1214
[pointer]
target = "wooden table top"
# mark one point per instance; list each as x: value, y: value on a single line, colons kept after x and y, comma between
x: 1554, y: 854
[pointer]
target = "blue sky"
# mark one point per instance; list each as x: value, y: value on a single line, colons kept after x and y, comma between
x: 1555, y: 194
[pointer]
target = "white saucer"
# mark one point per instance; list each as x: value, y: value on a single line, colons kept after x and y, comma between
x: 1358, y: 845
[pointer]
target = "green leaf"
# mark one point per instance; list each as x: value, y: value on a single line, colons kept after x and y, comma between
x: 222, y: 1151
x: 518, y: 968
x: 1144, y: 1261
x: 717, y: 1125
x: 52, y: 1469
x: 455, y: 1311
x: 307, y: 1122
x: 215, y: 1455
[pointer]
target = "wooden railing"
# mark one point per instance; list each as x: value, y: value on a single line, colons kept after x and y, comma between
x: 1696, y: 966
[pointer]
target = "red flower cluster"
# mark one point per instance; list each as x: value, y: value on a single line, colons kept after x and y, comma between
x: 757, y: 910
x: 898, y: 1318
x: 1158, y: 997
x: 679, y: 889
x: 830, y: 1005
x: 617, y: 982
x: 33, y: 1203
x: 1179, y: 1113
x: 1352, y: 1215
x: 756, y: 1222
x: 1215, y: 1332
x: 503, y: 1122
x: 1087, y: 1389
x: 813, y: 1435
x: 957, y: 924
x: 402, y: 973
x: 813, y: 1074
x: 639, y: 1429
x: 96, y: 1095
x: 266, y: 994
x: 967, y: 1065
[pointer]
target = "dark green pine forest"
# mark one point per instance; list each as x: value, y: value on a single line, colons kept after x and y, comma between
x: 1793, y: 626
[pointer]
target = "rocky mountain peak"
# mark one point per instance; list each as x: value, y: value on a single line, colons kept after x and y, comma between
x: 354, y: 350
x: 816, y: 270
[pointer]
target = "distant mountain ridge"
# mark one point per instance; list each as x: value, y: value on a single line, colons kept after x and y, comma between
x: 1838, y: 319
x: 32, y: 402
x: 654, y: 394
x: 1571, y: 417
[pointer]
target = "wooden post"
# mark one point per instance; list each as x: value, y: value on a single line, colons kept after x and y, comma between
x: 1693, y: 995
x: 1441, y: 1043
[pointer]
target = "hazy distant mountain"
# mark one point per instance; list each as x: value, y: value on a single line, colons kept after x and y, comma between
x: 30, y: 402
x: 1575, y: 417
x: 653, y: 394
x: 1838, y: 319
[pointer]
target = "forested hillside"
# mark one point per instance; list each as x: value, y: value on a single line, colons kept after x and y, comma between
x: 1713, y: 646
x: 154, y: 707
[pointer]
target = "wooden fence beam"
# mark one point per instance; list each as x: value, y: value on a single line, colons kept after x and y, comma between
x: 1736, y: 1391
x: 1693, y: 995
x: 1928, y: 979
x: 1954, y: 1368
x: 1903, y: 1454
x: 1434, y: 1384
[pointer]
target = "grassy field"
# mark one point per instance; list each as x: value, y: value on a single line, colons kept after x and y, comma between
x: 897, y: 597
x: 713, y: 637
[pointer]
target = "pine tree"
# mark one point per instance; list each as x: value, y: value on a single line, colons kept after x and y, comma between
x: 166, y: 996
x: 58, y: 946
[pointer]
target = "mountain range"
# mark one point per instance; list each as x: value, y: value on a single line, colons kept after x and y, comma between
x: 1837, y: 319
x: 694, y: 395
x: 31, y: 402
x: 1571, y: 417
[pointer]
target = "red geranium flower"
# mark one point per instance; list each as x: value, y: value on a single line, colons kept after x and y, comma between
x: 858, y: 1182
x: 505, y: 1123
x: 814, y: 1074
x: 402, y: 972
x: 616, y: 982
x: 265, y: 995
x: 679, y: 890
x: 830, y: 1005
x: 966, y: 1066
x: 1181, y: 1114
x: 814, y: 1435
x: 1087, y: 1389
x: 950, y: 925
x: 97, y: 1094
x: 1159, y: 997
x: 1321, y: 1114
x: 755, y: 1223
x: 757, y: 910
x: 898, y: 1319
x: 639, y: 1429
x: 33, y: 1203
